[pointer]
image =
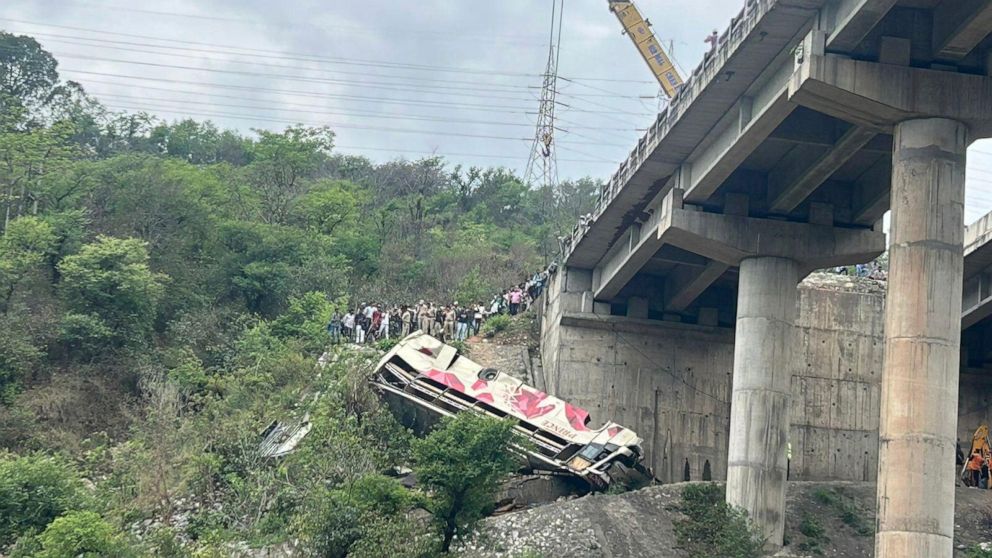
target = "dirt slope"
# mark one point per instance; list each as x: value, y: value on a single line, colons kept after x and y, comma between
x: 640, y: 524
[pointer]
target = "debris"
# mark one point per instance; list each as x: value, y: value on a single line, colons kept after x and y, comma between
x: 279, y: 439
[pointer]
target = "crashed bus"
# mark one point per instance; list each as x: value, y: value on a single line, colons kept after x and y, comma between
x: 436, y: 379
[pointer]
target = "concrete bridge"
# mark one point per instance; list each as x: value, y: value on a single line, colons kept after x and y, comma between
x: 779, y: 156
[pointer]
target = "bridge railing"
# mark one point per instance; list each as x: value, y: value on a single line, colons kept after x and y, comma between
x: 740, y: 26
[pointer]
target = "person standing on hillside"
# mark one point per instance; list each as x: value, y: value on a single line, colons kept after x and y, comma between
x: 438, y: 321
x: 406, y: 318
x: 361, y: 327
x: 516, y: 295
x: 383, y: 332
x: 480, y: 313
x: 348, y: 322
x: 334, y: 328
x: 448, y: 321
x: 422, y: 318
x: 495, y: 305
x: 464, y: 317
x: 376, y: 322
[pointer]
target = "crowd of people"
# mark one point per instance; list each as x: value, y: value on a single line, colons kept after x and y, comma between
x: 375, y: 321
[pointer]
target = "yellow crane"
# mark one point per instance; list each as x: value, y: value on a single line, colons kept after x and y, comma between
x: 639, y: 31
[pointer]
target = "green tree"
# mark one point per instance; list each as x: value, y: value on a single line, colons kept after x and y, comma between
x: 306, y: 319
x: 265, y: 264
x: 23, y: 247
x: 333, y: 521
x: 20, y: 351
x: 110, y: 281
x: 462, y: 463
x: 34, y: 490
x: 27, y: 71
x: 283, y: 166
x: 27, y: 159
x: 328, y: 206
x: 83, y: 534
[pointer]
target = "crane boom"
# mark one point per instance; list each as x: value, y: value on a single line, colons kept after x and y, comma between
x: 639, y: 31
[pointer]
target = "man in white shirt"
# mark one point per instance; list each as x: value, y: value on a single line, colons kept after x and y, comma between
x: 383, y: 332
x: 348, y: 322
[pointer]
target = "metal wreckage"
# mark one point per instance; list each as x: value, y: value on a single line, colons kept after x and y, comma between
x: 433, y: 380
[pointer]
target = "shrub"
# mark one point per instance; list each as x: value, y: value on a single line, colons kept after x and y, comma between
x: 34, y: 490
x: 714, y: 529
x: 815, y: 534
x: 20, y: 351
x: 109, y: 281
x: 386, y: 345
x: 84, y: 334
x: 846, y: 509
x: 980, y: 550
x: 334, y: 521
x: 825, y: 496
x: 852, y: 516
x: 495, y: 324
x: 461, y: 346
x: 306, y: 319
x: 82, y: 534
x: 811, y: 527
x: 397, y: 537
x: 462, y: 462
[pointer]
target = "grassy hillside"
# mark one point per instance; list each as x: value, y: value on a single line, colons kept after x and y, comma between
x: 164, y: 288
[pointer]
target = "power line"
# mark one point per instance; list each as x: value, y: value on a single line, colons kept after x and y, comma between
x: 155, y: 12
x: 612, y: 94
x: 295, y: 55
x: 439, y: 34
x: 595, y: 141
x: 610, y: 109
x: 304, y: 111
x: 406, y: 88
x: 487, y: 107
x: 308, y: 109
x: 284, y: 121
x: 183, y: 103
x: 311, y: 123
x: 587, y: 154
x: 110, y: 44
x: 447, y: 154
x: 446, y: 83
x: 482, y: 86
x: 314, y: 57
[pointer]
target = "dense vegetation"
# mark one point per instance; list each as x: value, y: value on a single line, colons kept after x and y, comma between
x: 163, y: 294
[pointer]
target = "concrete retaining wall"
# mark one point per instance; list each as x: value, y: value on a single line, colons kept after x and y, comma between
x: 670, y: 381
x: 836, y: 385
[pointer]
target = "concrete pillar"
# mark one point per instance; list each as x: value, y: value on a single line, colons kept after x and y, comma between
x: 759, y: 408
x: 922, y: 337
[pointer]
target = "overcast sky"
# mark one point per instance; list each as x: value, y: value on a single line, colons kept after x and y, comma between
x: 393, y: 79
